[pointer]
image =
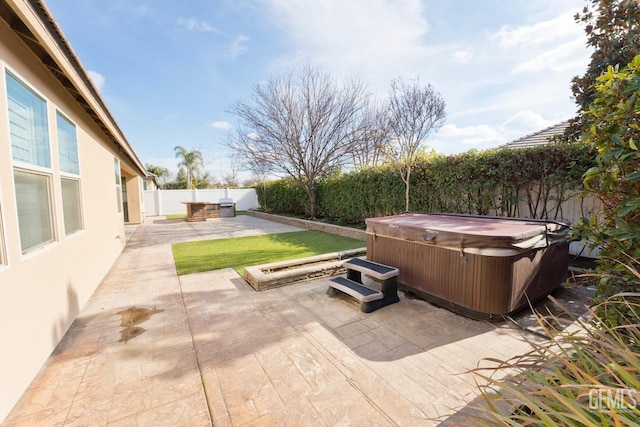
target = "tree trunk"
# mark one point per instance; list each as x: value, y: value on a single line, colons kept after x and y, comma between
x: 312, y: 203
x: 311, y: 194
x: 407, y: 184
x: 264, y: 196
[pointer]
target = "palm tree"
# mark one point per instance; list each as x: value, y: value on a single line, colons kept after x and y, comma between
x: 191, y: 161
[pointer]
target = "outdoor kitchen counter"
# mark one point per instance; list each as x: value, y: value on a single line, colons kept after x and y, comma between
x: 201, y: 211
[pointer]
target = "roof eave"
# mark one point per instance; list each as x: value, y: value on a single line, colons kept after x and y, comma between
x: 38, y: 29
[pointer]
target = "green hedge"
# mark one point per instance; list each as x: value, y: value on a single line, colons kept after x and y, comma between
x: 352, y: 197
x: 497, y: 180
x: 492, y: 181
x: 282, y: 197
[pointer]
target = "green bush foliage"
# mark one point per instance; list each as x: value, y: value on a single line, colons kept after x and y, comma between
x: 488, y: 182
x: 282, y: 197
x: 352, y: 197
x: 495, y: 181
x: 615, y: 179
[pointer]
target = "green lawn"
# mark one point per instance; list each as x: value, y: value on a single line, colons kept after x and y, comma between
x: 176, y: 216
x: 240, y: 252
x: 182, y: 216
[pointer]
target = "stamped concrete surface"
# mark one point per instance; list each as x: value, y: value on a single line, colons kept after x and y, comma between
x: 154, y: 349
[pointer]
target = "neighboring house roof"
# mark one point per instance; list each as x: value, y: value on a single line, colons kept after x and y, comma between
x: 537, y: 138
x: 49, y: 44
x: 152, y: 177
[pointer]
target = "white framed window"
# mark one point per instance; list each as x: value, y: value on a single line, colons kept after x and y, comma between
x: 116, y: 167
x: 69, y: 174
x: 33, y: 197
x: 28, y: 127
x: 67, y: 145
x: 31, y: 154
x: 71, y: 206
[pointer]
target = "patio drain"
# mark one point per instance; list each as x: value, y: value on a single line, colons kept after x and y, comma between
x: 131, y: 318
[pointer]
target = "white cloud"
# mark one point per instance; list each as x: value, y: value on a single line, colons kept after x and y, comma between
x: 471, y: 135
x: 223, y: 125
x: 561, y: 27
x: 518, y: 83
x: 461, y: 56
x: 555, y: 44
x: 565, y: 57
x: 484, y: 136
x: 195, y: 25
x: 548, y: 94
x: 238, y: 48
x: 376, y: 38
x: 97, y: 79
x: 524, y: 122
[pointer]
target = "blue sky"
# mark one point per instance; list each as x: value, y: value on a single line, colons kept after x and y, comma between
x: 169, y: 70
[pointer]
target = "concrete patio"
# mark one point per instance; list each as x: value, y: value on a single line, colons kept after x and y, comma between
x: 154, y: 349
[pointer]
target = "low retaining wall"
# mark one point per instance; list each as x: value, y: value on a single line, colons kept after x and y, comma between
x: 275, y: 274
x: 353, y: 233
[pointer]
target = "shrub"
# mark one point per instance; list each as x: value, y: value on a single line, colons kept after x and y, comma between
x: 283, y: 197
x: 494, y: 182
x: 353, y: 197
x: 587, y: 377
x: 615, y: 179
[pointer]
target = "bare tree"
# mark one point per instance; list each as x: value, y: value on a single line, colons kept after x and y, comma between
x: 414, y: 113
x: 301, y: 124
x: 231, y: 179
x: 261, y: 171
x: 372, y: 143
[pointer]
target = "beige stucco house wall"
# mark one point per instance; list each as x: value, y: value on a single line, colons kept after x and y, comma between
x: 150, y: 183
x: 43, y: 287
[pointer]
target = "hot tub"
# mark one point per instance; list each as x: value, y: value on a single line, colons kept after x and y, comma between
x: 478, y: 266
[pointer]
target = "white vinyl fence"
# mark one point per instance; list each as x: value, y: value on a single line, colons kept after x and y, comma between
x: 167, y: 202
x: 570, y: 208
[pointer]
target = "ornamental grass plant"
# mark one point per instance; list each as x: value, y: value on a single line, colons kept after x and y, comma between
x: 587, y: 375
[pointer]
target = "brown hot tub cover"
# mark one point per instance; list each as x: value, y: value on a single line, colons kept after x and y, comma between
x: 480, y: 266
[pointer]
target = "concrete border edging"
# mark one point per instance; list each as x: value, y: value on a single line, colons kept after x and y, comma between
x: 275, y: 274
x: 339, y: 230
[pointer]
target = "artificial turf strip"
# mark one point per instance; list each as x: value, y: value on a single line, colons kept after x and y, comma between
x: 175, y: 216
x: 240, y: 252
x: 183, y: 216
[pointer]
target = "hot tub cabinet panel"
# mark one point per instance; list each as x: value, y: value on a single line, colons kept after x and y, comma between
x: 481, y: 267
